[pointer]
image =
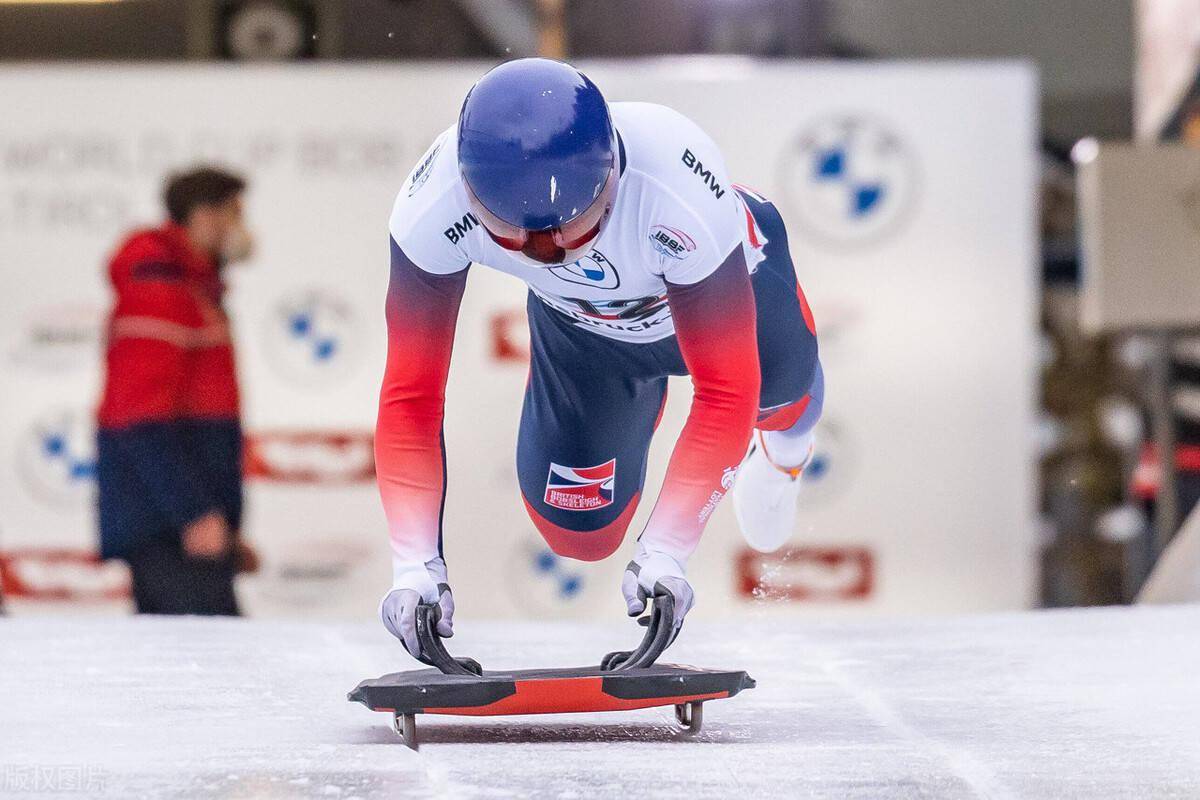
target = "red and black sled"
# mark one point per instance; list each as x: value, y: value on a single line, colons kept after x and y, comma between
x: 623, y: 681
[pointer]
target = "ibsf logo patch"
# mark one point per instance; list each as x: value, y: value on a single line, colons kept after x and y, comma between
x: 671, y: 242
x: 581, y: 488
x: 424, y: 169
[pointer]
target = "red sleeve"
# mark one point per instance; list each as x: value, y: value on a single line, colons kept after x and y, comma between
x: 154, y: 323
x: 715, y: 325
x: 422, y: 309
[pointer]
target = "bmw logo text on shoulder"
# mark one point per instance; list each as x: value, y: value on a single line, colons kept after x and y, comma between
x: 592, y: 270
x: 850, y: 179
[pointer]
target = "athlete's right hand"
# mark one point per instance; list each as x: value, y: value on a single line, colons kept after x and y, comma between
x: 651, y: 573
x: 414, y: 584
x: 207, y: 536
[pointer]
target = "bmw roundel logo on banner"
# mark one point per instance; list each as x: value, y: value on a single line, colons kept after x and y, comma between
x: 56, y: 458
x: 543, y: 583
x: 314, y: 336
x: 849, y: 180
x: 834, y: 464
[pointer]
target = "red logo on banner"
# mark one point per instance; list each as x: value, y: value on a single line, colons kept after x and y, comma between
x: 310, y: 457
x: 581, y: 488
x: 60, y: 574
x: 807, y: 573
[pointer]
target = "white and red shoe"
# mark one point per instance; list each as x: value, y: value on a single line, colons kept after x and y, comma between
x: 765, y: 497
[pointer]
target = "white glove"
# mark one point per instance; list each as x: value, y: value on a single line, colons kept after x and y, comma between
x: 414, y: 584
x: 653, y: 572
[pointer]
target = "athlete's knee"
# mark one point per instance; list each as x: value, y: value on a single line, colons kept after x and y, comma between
x: 800, y: 416
x: 581, y: 541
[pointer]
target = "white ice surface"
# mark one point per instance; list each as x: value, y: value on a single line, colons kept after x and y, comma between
x: 1088, y: 704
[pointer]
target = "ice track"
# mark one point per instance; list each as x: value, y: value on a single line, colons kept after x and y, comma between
x: 1086, y: 704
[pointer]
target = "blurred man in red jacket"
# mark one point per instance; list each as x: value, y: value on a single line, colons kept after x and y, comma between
x: 169, y: 446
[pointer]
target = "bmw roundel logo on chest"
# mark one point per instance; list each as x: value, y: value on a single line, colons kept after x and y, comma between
x: 592, y: 270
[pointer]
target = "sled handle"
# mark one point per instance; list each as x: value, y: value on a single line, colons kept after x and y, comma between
x: 659, y: 635
x: 433, y: 652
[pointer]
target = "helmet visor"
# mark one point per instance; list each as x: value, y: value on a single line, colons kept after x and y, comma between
x: 552, y: 245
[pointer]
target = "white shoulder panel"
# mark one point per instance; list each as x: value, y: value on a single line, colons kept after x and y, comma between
x: 427, y: 207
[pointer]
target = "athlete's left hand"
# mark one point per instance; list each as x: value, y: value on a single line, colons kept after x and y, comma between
x: 653, y: 572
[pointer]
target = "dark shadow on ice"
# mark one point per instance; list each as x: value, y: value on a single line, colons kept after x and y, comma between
x: 522, y: 732
x: 541, y: 732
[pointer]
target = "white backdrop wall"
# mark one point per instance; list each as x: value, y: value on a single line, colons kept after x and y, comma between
x: 908, y: 190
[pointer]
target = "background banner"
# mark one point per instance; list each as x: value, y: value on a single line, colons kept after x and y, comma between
x: 909, y: 195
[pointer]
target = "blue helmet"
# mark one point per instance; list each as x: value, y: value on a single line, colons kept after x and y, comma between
x: 538, y: 154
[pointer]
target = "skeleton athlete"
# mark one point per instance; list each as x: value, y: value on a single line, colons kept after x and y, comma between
x: 642, y: 261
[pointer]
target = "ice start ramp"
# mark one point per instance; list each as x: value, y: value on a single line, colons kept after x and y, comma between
x: 1072, y: 704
